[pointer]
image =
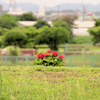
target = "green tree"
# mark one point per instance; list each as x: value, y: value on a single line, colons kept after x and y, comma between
x: 14, y: 37
x: 3, y: 31
x: 97, y: 22
x: 63, y: 24
x: 1, y: 41
x: 31, y: 33
x: 26, y: 17
x: 41, y: 23
x: 52, y: 36
x: 69, y: 19
x: 8, y: 21
x: 95, y: 33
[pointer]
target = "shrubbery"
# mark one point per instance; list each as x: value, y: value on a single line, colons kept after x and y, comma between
x: 49, y: 58
x: 14, y: 51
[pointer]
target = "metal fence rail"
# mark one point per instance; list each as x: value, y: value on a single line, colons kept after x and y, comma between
x: 16, y: 60
x: 71, y: 61
x: 93, y: 61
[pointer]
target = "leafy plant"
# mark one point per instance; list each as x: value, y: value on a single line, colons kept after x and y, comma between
x: 14, y: 51
x: 49, y: 58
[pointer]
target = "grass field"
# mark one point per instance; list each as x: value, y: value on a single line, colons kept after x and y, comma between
x: 82, y: 39
x: 49, y: 83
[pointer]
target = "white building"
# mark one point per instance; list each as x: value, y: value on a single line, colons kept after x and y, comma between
x: 82, y: 27
x: 31, y: 23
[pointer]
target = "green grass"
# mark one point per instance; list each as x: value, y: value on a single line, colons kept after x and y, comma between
x: 82, y: 39
x: 89, y: 46
x: 49, y: 83
x: 42, y: 49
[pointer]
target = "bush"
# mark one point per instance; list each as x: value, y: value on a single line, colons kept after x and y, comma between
x: 14, y: 51
x: 49, y: 58
x: 14, y: 37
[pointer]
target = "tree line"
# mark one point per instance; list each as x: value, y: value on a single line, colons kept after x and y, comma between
x: 41, y: 33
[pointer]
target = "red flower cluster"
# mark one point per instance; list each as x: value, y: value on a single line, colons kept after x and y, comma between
x: 61, y: 56
x: 55, y: 54
x: 40, y: 56
x: 49, y: 51
x: 49, y: 58
x: 46, y: 54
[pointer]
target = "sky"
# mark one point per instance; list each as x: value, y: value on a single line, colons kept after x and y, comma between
x: 51, y: 3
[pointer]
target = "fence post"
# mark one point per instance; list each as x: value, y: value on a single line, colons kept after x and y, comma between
x: 27, y: 60
x: 91, y: 61
x: 5, y: 60
x: 66, y: 47
x: 70, y: 61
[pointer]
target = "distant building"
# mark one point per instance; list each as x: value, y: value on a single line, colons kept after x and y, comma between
x: 17, y: 11
x: 82, y: 27
x: 55, y: 15
x: 31, y: 23
x: 41, y: 12
x: 1, y: 10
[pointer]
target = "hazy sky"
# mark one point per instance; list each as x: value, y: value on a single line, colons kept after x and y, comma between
x: 55, y: 2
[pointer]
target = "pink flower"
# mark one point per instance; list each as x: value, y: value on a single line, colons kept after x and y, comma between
x: 46, y: 54
x: 40, y: 56
x: 55, y: 54
x: 49, y: 51
x: 61, y: 56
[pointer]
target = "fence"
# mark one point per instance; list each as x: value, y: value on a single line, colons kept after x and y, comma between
x: 72, y: 61
x: 16, y: 60
x: 93, y: 61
